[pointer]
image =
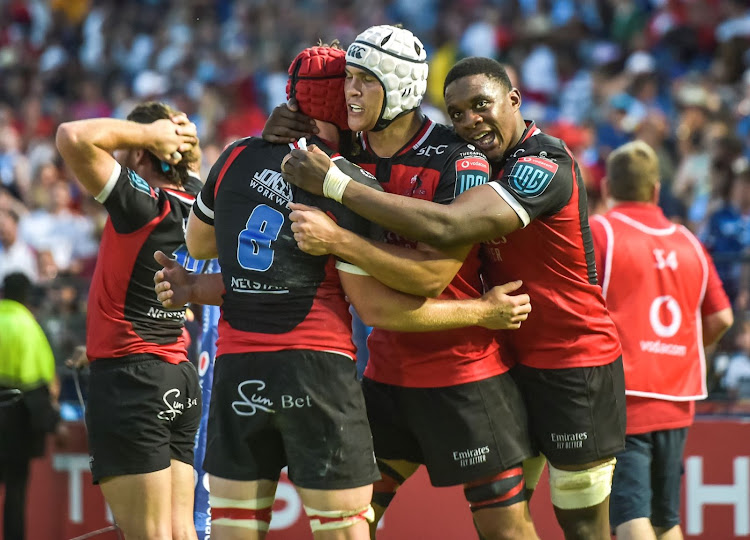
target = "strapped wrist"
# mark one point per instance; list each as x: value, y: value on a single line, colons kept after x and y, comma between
x: 335, y: 183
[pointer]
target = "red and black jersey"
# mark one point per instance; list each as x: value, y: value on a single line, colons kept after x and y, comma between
x: 276, y: 296
x: 124, y: 316
x: 554, y: 256
x: 436, y: 166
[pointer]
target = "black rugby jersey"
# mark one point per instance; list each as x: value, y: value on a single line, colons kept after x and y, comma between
x: 436, y: 165
x: 276, y: 296
x: 124, y: 316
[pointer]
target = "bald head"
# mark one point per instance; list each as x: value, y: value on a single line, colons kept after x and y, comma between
x: 633, y: 172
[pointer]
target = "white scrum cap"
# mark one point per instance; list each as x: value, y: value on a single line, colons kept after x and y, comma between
x: 398, y: 60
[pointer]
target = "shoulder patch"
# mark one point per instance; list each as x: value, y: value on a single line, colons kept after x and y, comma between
x: 470, y: 172
x: 140, y: 184
x: 531, y: 175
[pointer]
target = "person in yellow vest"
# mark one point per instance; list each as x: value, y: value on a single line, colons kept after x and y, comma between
x: 28, y: 410
x: 667, y: 301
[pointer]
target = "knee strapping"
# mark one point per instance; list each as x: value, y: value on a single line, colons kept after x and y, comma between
x: 505, y: 489
x: 570, y: 490
x: 323, y: 520
x: 245, y: 513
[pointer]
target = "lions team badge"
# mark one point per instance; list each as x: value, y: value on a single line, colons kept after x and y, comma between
x: 531, y: 175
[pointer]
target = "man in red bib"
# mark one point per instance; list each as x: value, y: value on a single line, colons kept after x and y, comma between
x: 667, y: 301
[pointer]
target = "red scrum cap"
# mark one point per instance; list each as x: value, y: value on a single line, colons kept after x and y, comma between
x: 316, y: 81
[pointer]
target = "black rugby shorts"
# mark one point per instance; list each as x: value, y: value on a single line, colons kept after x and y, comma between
x: 141, y: 413
x: 460, y: 433
x: 576, y: 415
x: 302, y: 409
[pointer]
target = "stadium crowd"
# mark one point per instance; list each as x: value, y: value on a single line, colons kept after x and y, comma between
x: 596, y: 73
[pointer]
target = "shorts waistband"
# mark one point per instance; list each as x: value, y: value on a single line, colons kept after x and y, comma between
x: 131, y: 359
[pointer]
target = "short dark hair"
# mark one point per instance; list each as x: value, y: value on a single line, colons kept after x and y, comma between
x: 17, y: 286
x: 149, y: 112
x: 478, y: 65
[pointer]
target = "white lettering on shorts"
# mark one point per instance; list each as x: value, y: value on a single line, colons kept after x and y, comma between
x: 471, y: 456
x: 174, y: 407
x: 249, y: 405
x: 569, y: 441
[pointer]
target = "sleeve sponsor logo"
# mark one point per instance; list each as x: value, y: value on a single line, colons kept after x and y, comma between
x: 531, y: 175
x: 140, y: 184
x: 471, y: 172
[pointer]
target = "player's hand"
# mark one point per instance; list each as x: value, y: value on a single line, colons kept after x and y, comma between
x: 314, y: 231
x: 173, y: 284
x: 170, y: 140
x: 503, y: 310
x: 287, y: 124
x: 192, y: 157
x: 306, y: 169
x: 78, y: 359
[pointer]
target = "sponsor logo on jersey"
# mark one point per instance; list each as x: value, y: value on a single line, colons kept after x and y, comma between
x: 157, y: 313
x: 140, y: 184
x: 471, y: 172
x: 432, y: 150
x: 531, y: 175
x: 271, y: 185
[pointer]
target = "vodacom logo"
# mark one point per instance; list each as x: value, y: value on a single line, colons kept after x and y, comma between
x: 673, y: 307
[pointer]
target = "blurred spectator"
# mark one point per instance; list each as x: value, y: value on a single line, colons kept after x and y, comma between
x: 727, y: 233
x: 26, y: 365
x: 15, y: 254
x: 736, y: 378
x: 68, y: 236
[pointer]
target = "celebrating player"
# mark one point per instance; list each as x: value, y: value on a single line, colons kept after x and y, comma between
x: 532, y: 217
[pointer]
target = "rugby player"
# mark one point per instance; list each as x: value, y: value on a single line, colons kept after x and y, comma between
x: 532, y: 220
x: 285, y: 388
x: 445, y: 400
x: 144, y: 402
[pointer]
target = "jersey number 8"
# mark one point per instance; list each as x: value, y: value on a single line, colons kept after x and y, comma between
x: 254, y: 242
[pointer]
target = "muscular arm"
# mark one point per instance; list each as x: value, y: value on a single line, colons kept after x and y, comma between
x: 423, y: 271
x: 200, y: 239
x: 715, y: 325
x: 382, y: 307
x: 87, y: 145
x: 477, y: 215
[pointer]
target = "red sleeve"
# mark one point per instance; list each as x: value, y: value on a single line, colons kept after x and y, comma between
x: 599, y: 237
x: 716, y: 298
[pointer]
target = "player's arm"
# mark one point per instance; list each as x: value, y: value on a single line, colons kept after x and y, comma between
x: 476, y: 215
x: 200, y: 238
x: 87, y: 145
x: 176, y: 287
x: 716, y: 325
x: 382, y: 307
x: 424, y: 271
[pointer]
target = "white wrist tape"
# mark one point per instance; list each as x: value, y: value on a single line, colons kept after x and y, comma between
x: 335, y: 183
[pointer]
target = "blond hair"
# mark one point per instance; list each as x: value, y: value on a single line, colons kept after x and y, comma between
x: 633, y: 172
